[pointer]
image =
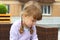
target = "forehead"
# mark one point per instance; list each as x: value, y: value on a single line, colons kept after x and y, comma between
x: 32, y: 18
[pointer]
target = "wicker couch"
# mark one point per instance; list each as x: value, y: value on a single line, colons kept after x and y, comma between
x: 43, y: 33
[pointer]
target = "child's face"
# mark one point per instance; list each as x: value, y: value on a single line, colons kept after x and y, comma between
x: 29, y: 21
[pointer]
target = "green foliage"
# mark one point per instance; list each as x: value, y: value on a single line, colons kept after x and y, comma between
x: 3, y: 9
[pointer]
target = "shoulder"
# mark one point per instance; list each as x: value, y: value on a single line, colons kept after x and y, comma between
x: 16, y: 25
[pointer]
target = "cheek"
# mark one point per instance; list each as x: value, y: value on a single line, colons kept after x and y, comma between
x: 29, y: 23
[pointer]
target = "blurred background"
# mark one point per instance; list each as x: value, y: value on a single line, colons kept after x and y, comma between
x: 47, y: 29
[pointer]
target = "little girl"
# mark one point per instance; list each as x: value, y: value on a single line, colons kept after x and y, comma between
x: 25, y: 29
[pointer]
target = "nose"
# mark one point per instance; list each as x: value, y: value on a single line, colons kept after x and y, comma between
x: 33, y: 23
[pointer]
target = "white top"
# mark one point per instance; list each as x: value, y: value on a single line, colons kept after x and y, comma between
x: 15, y: 35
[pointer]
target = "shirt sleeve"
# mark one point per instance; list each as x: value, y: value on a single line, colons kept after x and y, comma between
x: 34, y: 35
x: 13, y: 32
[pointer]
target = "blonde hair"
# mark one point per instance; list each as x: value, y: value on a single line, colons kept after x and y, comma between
x: 36, y: 4
x: 31, y: 10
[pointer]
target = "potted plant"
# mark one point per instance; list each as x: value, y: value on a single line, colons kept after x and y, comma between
x: 3, y: 9
x: 3, y: 16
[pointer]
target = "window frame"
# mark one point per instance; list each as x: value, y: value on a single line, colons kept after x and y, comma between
x: 8, y: 6
x: 42, y: 6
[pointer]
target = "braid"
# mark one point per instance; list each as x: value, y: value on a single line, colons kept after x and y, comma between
x: 22, y: 27
x: 31, y: 30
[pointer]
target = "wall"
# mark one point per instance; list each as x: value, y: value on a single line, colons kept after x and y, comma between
x: 56, y: 10
x: 57, y: 0
x: 15, y: 7
x: 15, y: 10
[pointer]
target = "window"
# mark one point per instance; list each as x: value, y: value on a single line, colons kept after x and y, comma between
x: 46, y: 9
x: 8, y: 8
x: 22, y: 6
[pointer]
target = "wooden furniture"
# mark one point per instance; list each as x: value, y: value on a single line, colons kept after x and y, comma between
x: 47, y: 33
x: 43, y: 33
x: 4, y: 18
x: 4, y: 31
